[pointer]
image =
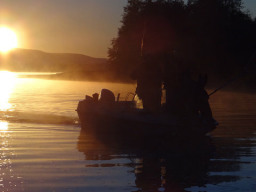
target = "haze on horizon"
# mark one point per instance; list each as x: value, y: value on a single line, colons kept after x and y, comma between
x: 79, y: 26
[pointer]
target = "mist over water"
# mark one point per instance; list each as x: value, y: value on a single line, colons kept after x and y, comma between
x: 50, y: 101
x: 42, y: 146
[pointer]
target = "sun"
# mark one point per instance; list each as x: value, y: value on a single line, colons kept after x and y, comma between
x: 8, y: 39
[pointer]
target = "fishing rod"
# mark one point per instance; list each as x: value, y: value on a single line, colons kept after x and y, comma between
x: 227, y: 83
x: 242, y: 74
x: 142, y: 39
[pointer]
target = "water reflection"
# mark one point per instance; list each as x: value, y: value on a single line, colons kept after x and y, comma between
x: 3, y: 126
x: 180, y: 164
x: 7, y: 82
x: 164, y: 166
x: 9, y: 180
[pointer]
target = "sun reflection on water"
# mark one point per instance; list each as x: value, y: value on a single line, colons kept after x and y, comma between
x: 10, y: 179
x: 3, y: 126
x: 7, y: 82
x: 4, y: 159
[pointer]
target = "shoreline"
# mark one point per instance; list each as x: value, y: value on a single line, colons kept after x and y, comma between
x: 239, y: 86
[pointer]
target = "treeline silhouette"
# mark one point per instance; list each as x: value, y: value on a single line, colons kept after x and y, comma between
x: 73, y: 66
x: 216, y: 37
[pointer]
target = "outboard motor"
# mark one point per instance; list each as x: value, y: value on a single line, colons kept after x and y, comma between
x: 107, y: 96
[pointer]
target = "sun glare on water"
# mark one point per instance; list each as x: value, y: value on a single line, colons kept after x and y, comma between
x: 3, y: 126
x: 7, y: 82
x: 8, y: 39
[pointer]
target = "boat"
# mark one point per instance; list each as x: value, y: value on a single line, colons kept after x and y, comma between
x: 108, y: 115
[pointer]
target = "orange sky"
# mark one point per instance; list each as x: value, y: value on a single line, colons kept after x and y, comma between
x: 74, y: 26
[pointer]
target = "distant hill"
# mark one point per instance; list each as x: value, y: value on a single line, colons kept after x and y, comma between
x: 75, y: 66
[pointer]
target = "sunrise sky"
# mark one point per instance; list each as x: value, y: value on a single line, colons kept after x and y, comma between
x: 73, y: 26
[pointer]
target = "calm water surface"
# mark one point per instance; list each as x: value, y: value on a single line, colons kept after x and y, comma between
x: 42, y: 147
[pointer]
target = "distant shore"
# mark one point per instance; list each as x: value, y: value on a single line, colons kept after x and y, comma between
x: 240, y: 85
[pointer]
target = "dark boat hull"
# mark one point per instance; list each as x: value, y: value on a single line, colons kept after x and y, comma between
x: 112, y: 120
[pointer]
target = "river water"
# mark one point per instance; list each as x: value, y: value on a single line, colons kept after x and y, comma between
x: 42, y: 147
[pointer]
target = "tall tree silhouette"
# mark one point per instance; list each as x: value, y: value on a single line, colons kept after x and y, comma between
x: 147, y: 25
x: 222, y: 34
x: 125, y: 50
x: 213, y: 36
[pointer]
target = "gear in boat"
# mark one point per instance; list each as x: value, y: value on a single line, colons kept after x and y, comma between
x: 111, y: 114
